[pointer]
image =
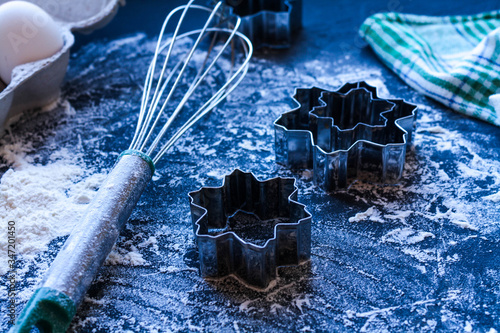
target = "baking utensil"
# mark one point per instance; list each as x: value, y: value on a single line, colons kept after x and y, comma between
x: 54, y: 304
x: 223, y: 251
x: 270, y: 23
x: 341, y: 133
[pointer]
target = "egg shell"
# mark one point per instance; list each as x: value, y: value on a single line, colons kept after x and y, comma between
x: 37, y: 84
x: 27, y: 34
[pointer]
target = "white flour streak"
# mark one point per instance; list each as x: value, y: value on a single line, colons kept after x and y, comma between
x: 406, y: 236
x: 494, y: 197
x: 371, y: 214
x: 401, y: 215
x: 44, y: 201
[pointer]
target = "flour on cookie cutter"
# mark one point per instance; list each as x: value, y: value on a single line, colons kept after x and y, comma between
x: 220, y: 234
x: 340, y: 133
x: 271, y: 23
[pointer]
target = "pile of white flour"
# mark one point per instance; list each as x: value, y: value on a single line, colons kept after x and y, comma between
x: 45, y: 201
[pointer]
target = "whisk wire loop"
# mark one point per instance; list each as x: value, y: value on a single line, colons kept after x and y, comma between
x: 151, y: 113
x: 223, y: 92
x: 176, y: 82
x: 150, y: 74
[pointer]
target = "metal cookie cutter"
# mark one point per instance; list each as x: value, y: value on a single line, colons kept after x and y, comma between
x: 339, y: 133
x: 270, y: 23
x: 227, y: 219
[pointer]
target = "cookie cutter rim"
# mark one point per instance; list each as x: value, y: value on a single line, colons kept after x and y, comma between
x: 354, y: 128
x: 293, y: 20
x: 405, y: 125
x: 270, y: 244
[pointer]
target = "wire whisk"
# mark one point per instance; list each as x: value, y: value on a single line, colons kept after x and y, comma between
x: 152, y: 110
x: 54, y: 304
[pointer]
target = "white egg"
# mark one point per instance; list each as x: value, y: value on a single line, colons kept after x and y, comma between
x: 27, y: 33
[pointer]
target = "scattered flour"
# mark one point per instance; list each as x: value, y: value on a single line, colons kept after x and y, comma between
x: 151, y: 241
x: 454, y: 215
x: 127, y: 251
x: 371, y: 214
x: 406, y: 236
x: 401, y: 215
x: 434, y: 129
x: 494, y: 197
x: 302, y: 300
x: 433, y: 196
x: 423, y: 256
x: 121, y: 256
x: 44, y: 201
x: 306, y: 174
x: 245, y: 306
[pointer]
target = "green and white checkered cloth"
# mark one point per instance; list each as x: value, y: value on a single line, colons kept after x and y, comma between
x: 453, y: 59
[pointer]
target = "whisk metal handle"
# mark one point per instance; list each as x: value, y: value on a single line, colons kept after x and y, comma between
x: 54, y: 304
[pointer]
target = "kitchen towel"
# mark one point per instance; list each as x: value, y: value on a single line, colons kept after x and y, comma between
x: 452, y: 59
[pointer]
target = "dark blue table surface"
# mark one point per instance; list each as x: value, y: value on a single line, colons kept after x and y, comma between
x: 427, y: 260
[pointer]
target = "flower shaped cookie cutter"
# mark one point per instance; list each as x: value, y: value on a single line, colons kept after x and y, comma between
x: 342, y: 133
x: 219, y: 231
x: 270, y: 23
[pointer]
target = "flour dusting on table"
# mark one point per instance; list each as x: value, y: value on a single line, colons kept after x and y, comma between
x: 384, y: 257
x: 44, y: 200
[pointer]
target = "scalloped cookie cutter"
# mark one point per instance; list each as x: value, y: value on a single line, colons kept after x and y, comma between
x: 340, y: 133
x: 270, y: 23
x: 37, y: 84
x: 273, y: 203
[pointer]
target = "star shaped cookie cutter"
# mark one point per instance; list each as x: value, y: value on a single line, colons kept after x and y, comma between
x: 270, y: 23
x: 273, y: 203
x: 342, y: 133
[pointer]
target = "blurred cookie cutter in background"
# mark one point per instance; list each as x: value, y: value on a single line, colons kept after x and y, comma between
x: 222, y: 252
x: 340, y: 133
x: 37, y: 84
x: 270, y: 23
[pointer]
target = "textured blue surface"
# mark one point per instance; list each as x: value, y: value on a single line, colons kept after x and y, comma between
x: 425, y: 257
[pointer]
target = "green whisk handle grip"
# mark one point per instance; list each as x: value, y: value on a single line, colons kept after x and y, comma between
x: 54, y: 304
